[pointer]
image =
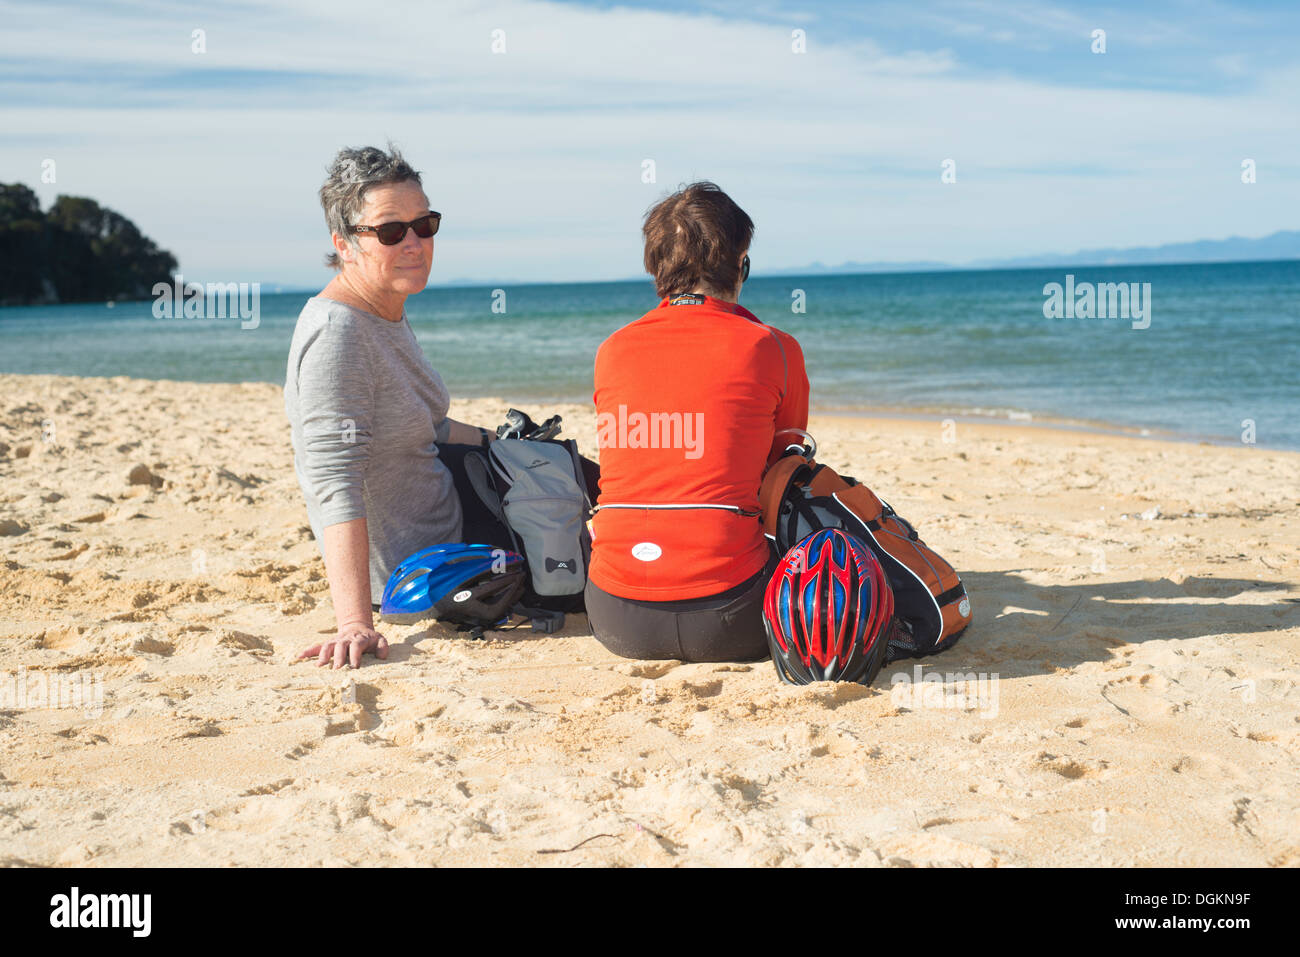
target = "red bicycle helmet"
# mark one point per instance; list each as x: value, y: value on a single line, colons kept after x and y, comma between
x: 829, y: 611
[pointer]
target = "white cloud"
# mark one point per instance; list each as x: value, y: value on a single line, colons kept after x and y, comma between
x: 534, y: 156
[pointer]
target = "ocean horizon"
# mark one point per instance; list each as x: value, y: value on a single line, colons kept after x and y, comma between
x: 1202, y: 351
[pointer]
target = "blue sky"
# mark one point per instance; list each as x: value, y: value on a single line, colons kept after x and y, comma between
x: 535, y: 155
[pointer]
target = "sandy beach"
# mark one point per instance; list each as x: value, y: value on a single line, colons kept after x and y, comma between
x: 1136, y: 642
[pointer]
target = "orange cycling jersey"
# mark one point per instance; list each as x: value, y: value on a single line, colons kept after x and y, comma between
x: 689, y: 399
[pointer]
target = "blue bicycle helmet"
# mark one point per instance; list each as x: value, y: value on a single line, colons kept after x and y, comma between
x: 473, y: 585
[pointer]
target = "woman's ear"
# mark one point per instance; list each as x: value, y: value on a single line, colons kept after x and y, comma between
x: 343, y: 248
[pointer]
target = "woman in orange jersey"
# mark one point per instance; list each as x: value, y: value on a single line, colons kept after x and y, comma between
x: 689, y: 399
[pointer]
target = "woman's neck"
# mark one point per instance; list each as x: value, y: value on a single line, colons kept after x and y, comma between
x: 731, y: 299
x: 342, y: 288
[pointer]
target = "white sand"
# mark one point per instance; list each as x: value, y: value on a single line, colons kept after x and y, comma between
x: 1146, y: 711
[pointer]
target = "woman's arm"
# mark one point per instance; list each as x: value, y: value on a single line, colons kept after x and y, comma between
x: 451, y: 432
x: 792, y: 413
x: 347, y: 566
x: 335, y: 396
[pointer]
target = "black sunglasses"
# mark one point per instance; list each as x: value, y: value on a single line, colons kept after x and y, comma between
x: 390, y: 234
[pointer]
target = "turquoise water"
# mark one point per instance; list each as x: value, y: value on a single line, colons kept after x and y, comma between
x: 1223, y: 343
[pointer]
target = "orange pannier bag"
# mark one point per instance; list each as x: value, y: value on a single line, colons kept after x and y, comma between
x: 799, y: 497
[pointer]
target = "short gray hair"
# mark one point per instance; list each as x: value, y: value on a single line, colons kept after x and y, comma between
x: 353, y: 172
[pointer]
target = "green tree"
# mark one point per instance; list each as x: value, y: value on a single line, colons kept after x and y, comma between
x: 86, y: 252
x: 22, y: 244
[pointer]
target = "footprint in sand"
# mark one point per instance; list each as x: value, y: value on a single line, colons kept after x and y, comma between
x: 301, y: 750
x: 646, y: 669
x: 63, y: 639
x: 1140, y: 698
x: 936, y: 850
x: 697, y: 689
x: 1243, y: 817
x: 149, y: 645
x: 272, y: 788
x: 235, y: 642
x: 1071, y: 768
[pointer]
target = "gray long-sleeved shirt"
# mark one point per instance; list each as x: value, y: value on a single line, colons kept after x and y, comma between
x: 365, y: 408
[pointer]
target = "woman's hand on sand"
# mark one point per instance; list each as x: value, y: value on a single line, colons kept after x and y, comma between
x: 352, y: 642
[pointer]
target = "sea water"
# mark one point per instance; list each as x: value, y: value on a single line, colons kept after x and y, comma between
x: 1216, y: 355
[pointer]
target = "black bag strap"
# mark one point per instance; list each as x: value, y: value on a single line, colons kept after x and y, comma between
x: 790, y: 520
x: 476, y: 470
x: 794, y: 507
x: 775, y: 491
x: 792, y: 501
x: 578, y: 473
x: 887, y: 511
x: 802, y: 475
x: 544, y: 620
x: 479, y: 474
x: 951, y: 595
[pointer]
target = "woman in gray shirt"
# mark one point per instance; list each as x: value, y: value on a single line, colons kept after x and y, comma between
x: 365, y: 406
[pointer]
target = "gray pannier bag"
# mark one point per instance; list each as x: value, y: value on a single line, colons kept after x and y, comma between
x: 537, y: 491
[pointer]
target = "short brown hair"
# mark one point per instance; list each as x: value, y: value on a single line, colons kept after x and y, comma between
x: 351, y: 175
x: 695, y: 237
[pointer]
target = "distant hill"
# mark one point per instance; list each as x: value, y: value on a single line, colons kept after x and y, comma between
x: 821, y: 269
x: 1284, y: 244
x: 77, y: 251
